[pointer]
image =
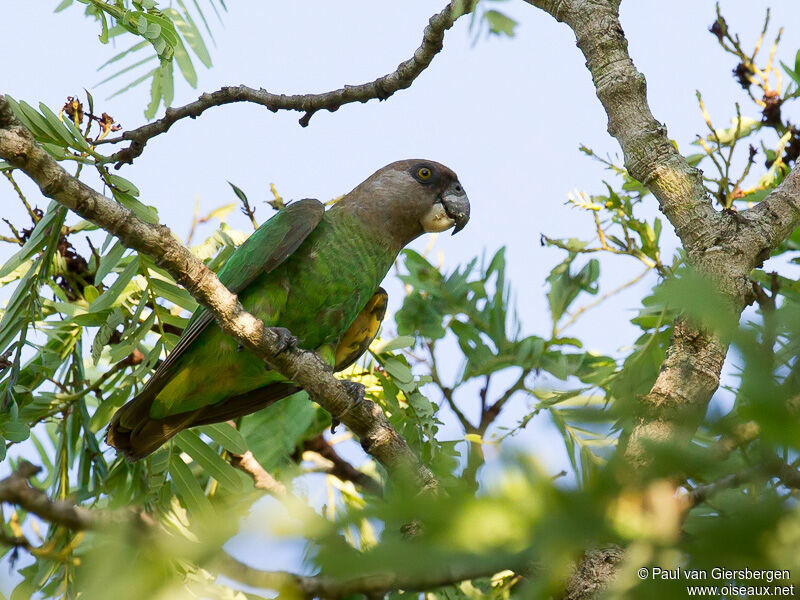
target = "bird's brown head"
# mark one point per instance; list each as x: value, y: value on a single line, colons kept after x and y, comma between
x: 410, y: 197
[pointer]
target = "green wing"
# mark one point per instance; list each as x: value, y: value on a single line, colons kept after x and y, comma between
x: 263, y: 251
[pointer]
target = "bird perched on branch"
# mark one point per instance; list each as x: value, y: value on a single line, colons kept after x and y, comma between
x: 313, y: 274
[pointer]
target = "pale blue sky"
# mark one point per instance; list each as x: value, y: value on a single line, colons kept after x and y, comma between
x: 506, y: 115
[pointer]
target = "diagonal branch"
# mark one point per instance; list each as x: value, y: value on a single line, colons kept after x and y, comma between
x: 366, y: 420
x: 381, y: 88
x: 723, y: 246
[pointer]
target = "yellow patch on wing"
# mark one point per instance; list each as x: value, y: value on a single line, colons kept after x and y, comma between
x: 355, y: 341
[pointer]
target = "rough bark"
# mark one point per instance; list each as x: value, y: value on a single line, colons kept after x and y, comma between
x: 723, y: 246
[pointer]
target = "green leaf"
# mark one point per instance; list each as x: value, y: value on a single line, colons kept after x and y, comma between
x: 123, y: 185
x: 142, y: 211
x: 212, y: 463
x: 35, y: 242
x: 155, y: 93
x: 191, y: 34
x: 500, y: 24
x: 272, y: 433
x: 104, y: 34
x: 226, y: 436
x: 239, y: 193
x: 185, y: 64
x: 90, y: 293
x: 187, y: 487
x: 388, y: 346
x: 109, y: 261
x: 797, y: 62
x: 107, y: 298
x: 101, y: 339
x: 57, y: 125
x: 565, y: 286
x: 397, y: 369
x: 15, y: 431
x: 153, y: 31
x: 79, y: 141
x: 173, y: 293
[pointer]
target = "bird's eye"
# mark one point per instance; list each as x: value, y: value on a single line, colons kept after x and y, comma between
x: 424, y: 173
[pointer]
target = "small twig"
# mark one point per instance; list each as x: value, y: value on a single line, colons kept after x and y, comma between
x: 447, y: 392
x: 576, y: 315
x: 262, y: 480
x: 381, y: 88
x: 491, y: 413
x: 19, y: 239
x: 195, y: 221
x: 34, y: 217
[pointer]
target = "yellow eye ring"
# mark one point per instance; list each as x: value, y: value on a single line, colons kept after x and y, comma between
x: 424, y: 173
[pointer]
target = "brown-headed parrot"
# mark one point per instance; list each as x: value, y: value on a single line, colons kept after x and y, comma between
x: 313, y: 272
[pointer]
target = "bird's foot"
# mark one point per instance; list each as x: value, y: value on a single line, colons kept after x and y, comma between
x: 286, y: 341
x: 356, y: 391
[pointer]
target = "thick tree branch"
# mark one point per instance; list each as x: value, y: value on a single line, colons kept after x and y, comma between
x: 722, y: 246
x: 381, y: 88
x: 690, y: 373
x: 366, y: 420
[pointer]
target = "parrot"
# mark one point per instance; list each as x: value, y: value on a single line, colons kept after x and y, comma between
x: 311, y: 274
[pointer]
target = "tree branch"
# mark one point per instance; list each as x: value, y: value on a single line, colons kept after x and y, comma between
x: 16, y: 489
x: 774, y: 219
x: 723, y: 246
x: 320, y: 586
x: 788, y: 476
x: 381, y: 88
x: 262, y: 479
x: 366, y: 420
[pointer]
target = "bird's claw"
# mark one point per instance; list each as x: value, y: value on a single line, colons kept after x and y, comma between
x: 356, y: 391
x: 286, y: 341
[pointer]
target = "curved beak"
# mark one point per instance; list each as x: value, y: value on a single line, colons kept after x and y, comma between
x: 456, y: 205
